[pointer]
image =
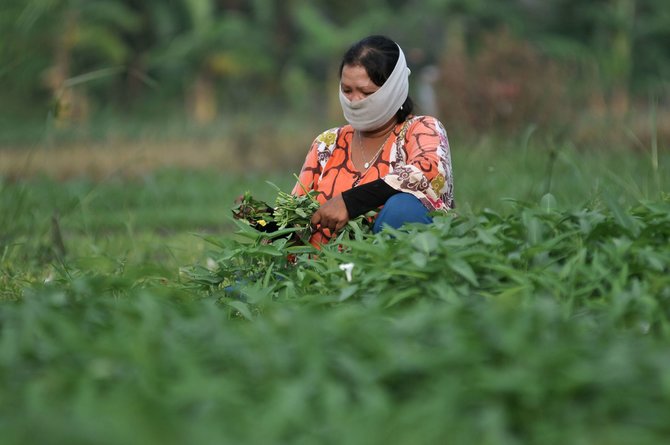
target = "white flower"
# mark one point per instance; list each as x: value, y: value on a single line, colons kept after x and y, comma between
x: 347, y: 268
x: 212, y: 265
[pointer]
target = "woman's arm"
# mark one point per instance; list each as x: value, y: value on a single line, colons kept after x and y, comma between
x: 427, y: 166
x: 360, y: 200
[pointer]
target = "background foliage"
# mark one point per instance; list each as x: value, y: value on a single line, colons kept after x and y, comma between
x: 479, y: 65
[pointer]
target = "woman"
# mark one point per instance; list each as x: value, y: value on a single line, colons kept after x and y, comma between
x: 385, y: 156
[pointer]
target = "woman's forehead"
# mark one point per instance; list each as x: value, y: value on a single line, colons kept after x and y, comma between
x: 355, y: 74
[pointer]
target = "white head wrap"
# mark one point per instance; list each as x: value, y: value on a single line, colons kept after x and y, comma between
x: 378, y: 108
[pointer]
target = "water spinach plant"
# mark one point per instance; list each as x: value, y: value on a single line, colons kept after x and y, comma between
x: 604, y: 259
x: 538, y: 325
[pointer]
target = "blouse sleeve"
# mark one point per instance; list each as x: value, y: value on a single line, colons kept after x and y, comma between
x: 316, y: 160
x: 310, y: 172
x: 426, y: 170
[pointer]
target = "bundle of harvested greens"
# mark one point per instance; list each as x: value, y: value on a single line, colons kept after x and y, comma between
x: 295, y: 211
x: 257, y: 213
x: 290, y: 212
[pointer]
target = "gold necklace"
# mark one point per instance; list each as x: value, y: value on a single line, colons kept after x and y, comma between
x: 366, y: 165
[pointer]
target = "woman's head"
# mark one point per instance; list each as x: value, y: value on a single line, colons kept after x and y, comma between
x: 378, y: 56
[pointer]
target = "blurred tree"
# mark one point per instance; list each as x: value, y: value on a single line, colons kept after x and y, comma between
x: 625, y: 43
x: 218, y: 44
x: 651, y: 47
x: 217, y: 55
x: 62, y: 45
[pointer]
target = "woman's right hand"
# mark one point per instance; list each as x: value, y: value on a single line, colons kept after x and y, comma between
x: 332, y: 215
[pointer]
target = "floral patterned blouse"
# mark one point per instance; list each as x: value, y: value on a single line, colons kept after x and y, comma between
x: 415, y: 159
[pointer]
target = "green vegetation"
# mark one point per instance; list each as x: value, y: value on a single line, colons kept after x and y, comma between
x: 132, y: 310
x: 135, y: 310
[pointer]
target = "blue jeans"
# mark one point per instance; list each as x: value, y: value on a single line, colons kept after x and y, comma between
x: 399, y: 209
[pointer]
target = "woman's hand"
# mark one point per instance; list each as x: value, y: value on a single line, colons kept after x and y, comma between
x: 332, y: 215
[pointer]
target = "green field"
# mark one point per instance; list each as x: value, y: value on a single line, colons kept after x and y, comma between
x: 538, y: 313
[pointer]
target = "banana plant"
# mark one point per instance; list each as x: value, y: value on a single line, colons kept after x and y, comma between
x: 215, y: 47
x: 72, y: 43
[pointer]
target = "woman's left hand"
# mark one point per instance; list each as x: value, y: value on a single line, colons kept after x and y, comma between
x: 332, y: 215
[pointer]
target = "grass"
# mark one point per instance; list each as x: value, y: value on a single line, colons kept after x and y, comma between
x: 136, y: 221
x: 538, y: 314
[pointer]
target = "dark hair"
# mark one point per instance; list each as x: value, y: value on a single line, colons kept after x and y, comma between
x: 378, y: 55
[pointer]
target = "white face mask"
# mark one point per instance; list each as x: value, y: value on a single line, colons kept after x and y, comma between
x: 379, y: 107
